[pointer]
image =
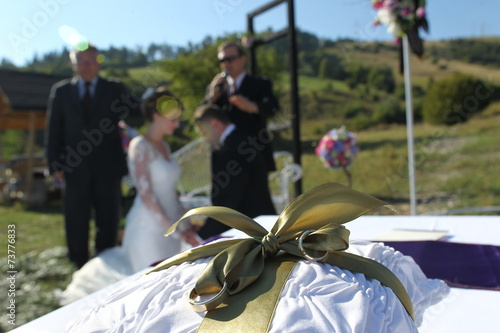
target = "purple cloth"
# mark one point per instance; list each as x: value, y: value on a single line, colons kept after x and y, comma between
x: 205, y: 241
x: 458, y: 264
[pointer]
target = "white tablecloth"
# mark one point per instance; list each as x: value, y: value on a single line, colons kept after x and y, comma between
x: 464, y: 310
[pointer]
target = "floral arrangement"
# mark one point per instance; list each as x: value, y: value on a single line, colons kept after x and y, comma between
x: 337, y: 148
x: 403, y: 17
x: 247, y: 41
x: 250, y: 41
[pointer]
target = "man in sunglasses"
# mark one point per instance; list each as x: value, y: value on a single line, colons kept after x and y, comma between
x: 248, y: 100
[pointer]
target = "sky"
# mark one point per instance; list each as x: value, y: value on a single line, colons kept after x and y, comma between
x: 33, y: 27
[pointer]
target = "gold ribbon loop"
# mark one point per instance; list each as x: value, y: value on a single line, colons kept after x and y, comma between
x: 312, y: 223
x: 270, y: 245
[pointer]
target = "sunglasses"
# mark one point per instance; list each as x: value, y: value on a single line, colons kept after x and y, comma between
x: 229, y: 59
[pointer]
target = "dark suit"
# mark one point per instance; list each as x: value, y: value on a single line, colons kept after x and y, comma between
x: 259, y: 91
x: 90, y: 152
x: 239, y: 181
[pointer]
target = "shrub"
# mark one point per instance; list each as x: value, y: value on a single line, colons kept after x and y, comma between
x: 400, y: 92
x: 330, y: 67
x: 454, y: 100
x: 356, y: 74
x: 389, y: 111
x: 360, y: 123
x: 354, y: 110
x: 381, y: 78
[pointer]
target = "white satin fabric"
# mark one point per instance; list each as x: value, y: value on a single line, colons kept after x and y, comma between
x: 156, y: 205
x: 316, y: 298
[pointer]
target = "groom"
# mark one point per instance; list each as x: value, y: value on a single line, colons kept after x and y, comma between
x: 84, y: 148
x: 239, y: 173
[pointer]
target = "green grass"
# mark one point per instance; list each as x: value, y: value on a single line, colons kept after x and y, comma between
x: 38, y: 257
x: 36, y: 230
x: 307, y: 83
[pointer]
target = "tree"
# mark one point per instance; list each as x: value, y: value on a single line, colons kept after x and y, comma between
x: 152, y: 51
x: 455, y: 99
x: 389, y: 111
x: 381, y: 78
x: 139, y: 59
x: 7, y: 64
x: 330, y: 67
x: 270, y: 64
x: 190, y: 73
x: 357, y: 74
x: 325, y: 70
x: 307, y: 41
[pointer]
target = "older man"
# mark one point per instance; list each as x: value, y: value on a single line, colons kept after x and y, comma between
x: 84, y: 148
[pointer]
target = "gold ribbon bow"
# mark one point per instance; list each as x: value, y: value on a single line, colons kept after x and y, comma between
x: 310, y: 227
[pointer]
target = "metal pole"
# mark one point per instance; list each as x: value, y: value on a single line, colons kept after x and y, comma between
x: 294, y: 92
x: 251, y: 54
x: 290, y: 31
x: 30, y: 159
x: 409, y: 125
x: 252, y: 58
x: 266, y: 7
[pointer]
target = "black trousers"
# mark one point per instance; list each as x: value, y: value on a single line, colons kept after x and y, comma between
x: 80, y: 197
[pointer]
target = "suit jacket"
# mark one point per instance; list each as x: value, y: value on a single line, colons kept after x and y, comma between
x: 259, y: 91
x: 239, y: 181
x: 87, y: 149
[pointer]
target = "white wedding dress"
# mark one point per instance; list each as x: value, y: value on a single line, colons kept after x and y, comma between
x: 144, y: 242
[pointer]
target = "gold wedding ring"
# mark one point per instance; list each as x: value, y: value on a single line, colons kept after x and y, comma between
x: 301, y: 247
x: 209, y: 304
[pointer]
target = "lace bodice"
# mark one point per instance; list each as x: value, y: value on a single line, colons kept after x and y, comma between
x: 155, y: 177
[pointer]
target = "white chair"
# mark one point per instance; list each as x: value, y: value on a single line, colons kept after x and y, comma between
x: 194, y: 184
x: 286, y: 173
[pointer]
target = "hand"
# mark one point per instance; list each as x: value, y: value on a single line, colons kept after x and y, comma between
x: 244, y: 104
x: 190, y: 237
x: 217, y: 87
x: 58, y: 176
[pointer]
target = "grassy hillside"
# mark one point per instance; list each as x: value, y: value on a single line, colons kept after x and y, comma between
x: 456, y: 167
x: 432, y: 65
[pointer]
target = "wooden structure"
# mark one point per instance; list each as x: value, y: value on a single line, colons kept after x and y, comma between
x: 23, y: 104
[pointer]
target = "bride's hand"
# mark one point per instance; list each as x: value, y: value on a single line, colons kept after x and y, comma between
x: 189, y: 236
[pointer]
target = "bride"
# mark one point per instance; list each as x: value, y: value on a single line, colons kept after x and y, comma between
x: 156, y: 206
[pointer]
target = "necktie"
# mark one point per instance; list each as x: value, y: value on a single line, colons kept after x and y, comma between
x: 232, y: 89
x: 87, y: 102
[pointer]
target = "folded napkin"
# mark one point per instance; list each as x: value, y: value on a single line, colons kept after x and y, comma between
x: 458, y: 264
